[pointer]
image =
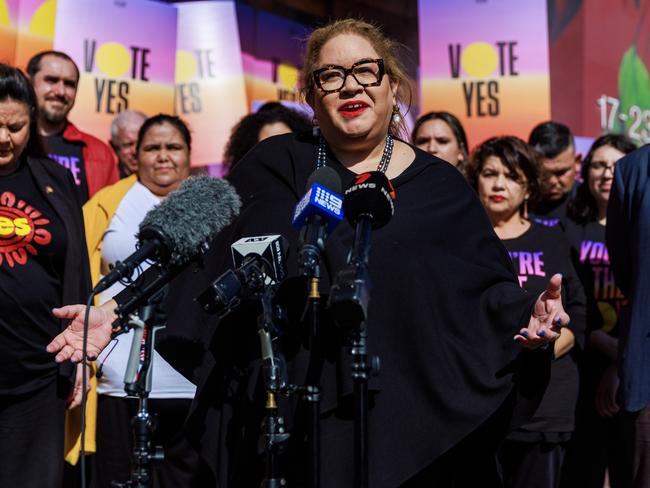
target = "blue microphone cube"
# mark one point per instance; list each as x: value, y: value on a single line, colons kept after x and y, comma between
x: 319, y: 201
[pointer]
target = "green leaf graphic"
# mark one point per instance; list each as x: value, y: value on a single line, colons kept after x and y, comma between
x: 633, y: 86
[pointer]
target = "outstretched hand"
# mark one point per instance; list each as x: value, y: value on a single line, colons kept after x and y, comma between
x: 547, y: 318
x: 69, y: 343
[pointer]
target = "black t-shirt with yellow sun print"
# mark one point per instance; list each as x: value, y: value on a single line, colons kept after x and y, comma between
x: 32, y: 250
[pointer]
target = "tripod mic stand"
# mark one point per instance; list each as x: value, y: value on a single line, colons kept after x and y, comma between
x: 137, y: 382
x: 275, y: 382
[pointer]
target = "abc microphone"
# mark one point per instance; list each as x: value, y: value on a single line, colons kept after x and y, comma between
x: 316, y: 215
x: 368, y: 205
x: 259, y: 262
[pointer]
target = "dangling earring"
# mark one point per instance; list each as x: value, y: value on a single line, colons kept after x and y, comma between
x: 397, y: 117
x: 315, y: 130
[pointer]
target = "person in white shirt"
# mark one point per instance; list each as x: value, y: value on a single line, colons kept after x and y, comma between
x: 112, y: 220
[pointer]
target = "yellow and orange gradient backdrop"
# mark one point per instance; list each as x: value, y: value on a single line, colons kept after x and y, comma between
x: 498, y: 49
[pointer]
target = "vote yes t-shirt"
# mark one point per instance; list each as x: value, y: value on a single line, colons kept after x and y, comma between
x: 32, y: 254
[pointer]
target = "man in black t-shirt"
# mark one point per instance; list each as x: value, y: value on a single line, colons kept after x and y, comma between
x: 554, y: 142
x: 55, y: 77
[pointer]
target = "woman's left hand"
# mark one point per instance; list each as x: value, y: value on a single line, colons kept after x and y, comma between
x: 547, y: 318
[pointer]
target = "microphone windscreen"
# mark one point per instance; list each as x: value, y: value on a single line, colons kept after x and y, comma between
x: 370, y: 194
x: 192, y: 215
x: 327, y: 177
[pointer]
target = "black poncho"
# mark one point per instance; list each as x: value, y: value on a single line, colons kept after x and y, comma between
x: 444, y: 308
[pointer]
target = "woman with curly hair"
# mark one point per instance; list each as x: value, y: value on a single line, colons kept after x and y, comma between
x: 505, y: 173
x: 272, y: 119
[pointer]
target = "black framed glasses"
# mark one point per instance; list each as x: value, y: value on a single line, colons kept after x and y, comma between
x: 367, y: 72
x: 602, y: 166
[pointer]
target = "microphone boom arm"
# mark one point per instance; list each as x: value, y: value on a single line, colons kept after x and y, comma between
x: 144, y: 291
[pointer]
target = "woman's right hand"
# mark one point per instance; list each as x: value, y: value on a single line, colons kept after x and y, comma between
x: 69, y: 343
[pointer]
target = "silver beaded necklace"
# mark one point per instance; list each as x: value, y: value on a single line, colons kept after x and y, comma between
x: 321, y: 156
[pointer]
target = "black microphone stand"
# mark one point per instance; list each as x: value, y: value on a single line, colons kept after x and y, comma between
x: 311, y: 393
x: 275, y: 382
x: 137, y: 382
x: 349, y: 299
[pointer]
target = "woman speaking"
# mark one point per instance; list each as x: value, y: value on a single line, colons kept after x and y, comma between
x: 445, y: 306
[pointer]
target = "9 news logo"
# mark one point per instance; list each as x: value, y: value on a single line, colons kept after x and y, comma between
x: 329, y: 201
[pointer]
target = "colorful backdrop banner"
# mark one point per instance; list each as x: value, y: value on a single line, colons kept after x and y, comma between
x: 35, y: 24
x: 126, y: 53
x: 272, y: 55
x: 8, y: 31
x: 210, y: 88
x: 487, y: 63
x: 600, y: 53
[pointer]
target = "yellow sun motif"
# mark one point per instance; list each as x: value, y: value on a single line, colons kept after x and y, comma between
x: 186, y: 66
x: 42, y: 22
x: 288, y: 76
x: 4, y: 14
x: 113, y: 59
x: 479, y: 59
x: 609, y: 316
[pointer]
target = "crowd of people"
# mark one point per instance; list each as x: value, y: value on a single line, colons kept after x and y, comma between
x: 494, y: 308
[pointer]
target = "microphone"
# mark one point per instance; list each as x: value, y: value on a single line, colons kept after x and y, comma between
x: 175, y: 230
x: 317, y: 214
x: 259, y: 262
x: 272, y: 249
x: 368, y: 205
x: 370, y: 197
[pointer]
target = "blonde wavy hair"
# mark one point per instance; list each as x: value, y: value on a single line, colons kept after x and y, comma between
x: 385, y: 47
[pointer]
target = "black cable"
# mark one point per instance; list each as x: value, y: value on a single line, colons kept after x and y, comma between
x: 100, y: 369
x: 84, y: 387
